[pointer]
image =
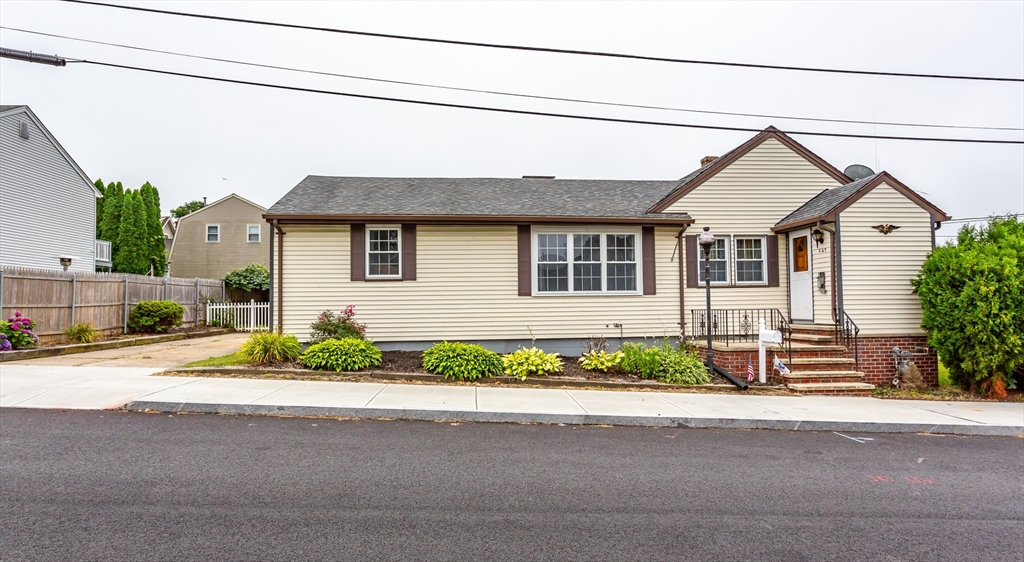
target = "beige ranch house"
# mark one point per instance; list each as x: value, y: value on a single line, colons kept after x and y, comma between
x: 825, y: 258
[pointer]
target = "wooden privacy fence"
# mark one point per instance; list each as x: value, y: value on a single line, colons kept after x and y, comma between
x: 56, y: 299
x: 247, y: 316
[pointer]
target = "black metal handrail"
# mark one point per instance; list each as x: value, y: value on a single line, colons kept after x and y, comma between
x: 739, y: 325
x: 846, y: 333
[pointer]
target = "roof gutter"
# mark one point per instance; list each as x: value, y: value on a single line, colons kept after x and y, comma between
x: 680, y: 220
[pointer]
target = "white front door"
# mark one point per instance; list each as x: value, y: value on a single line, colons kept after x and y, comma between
x: 801, y: 291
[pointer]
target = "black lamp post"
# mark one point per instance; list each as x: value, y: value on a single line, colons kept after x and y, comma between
x: 706, y: 241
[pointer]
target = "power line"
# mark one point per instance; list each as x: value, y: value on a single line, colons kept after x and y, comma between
x: 988, y: 218
x: 537, y: 113
x: 499, y: 93
x: 546, y: 49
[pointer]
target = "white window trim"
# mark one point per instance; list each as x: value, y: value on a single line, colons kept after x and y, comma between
x: 764, y: 260
x: 206, y: 234
x: 259, y: 233
x: 728, y: 263
x: 366, y: 251
x: 637, y: 242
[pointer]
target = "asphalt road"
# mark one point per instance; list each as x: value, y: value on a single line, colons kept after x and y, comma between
x: 120, y: 486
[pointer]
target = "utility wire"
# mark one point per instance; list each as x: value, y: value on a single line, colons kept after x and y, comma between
x: 499, y: 93
x: 988, y: 218
x: 536, y: 113
x: 545, y: 49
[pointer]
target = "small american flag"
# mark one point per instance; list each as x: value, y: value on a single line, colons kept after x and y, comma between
x: 750, y: 370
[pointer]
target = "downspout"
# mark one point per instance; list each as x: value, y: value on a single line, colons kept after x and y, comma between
x: 839, y: 271
x: 280, y: 277
x: 832, y: 261
x: 270, y: 304
x: 935, y: 226
x: 682, y: 281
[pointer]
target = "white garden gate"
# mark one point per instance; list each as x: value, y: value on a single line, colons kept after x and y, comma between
x: 244, y: 316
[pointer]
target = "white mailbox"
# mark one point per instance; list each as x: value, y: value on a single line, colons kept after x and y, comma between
x: 770, y: 336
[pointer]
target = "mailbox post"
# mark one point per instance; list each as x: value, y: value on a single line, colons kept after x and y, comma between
x: 764, y: 337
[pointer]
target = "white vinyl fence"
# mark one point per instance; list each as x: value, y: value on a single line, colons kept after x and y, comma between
x: 245, y: 316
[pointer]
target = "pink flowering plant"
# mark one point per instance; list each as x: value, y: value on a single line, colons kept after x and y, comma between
x: 16, y: 333
x: 335, y: 326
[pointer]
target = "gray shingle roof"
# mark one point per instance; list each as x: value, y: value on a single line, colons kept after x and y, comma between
x: 497, y: 197
x: 9, y: 107
x: 824, y: 202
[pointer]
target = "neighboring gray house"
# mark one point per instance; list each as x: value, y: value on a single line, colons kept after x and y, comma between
x: 229, y: 233
x: 47, y: 203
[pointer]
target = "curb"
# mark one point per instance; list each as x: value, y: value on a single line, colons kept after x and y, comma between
x: 504, y: 380
x: 567, y: 419
x: 57, y: 351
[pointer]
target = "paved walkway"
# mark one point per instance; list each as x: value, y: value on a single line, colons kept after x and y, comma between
x: 102, y: 387
x: 164, y: 355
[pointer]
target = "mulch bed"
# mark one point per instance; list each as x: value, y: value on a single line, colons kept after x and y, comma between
x: 411, y: 362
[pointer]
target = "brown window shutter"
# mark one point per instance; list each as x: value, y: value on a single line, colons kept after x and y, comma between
x: 408, y: 252
x: 691, y: 260
x: 773, y: 261
x: 357, y: 235
x: 525, y: 269
x: 647, y: 249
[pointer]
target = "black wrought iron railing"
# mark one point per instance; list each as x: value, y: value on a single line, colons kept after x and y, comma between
x: 846, y: 335
x: 739, y: 325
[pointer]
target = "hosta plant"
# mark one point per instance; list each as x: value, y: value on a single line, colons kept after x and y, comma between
x: 525, y: 362
x: 346, y: 354
x: 462, y: 361
x: 600, y: 360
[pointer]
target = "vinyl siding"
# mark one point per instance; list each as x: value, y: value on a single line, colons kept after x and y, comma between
x: 466, y: 289
x: 749, y: 197
x: 877, y: 268
x: 193, y: 256
x: 46, y: 208
x: 822, y: 261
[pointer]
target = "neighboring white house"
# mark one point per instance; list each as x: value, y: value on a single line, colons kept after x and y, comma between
x: 47, y: 203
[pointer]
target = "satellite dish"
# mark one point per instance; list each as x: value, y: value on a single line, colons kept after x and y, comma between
x: 857, y: 171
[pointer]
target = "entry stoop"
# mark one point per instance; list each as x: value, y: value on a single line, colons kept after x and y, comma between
x: 821, y: 367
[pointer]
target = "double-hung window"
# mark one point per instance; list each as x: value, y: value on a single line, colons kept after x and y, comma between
x: 383, y: 252
x: 585, y: 262
x: 750, y: 260
x: 213, y: 233
x: 719, y: 261
x: 252, y: 233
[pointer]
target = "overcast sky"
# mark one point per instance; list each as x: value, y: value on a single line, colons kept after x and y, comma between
x: 194, y: 138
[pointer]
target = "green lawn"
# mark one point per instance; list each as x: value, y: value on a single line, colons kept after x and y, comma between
x: 222, y: 361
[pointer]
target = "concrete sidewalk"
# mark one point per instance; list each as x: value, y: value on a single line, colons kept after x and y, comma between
x: 38, y: 386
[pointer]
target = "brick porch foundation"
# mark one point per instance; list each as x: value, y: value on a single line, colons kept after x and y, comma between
x: 879, y: 366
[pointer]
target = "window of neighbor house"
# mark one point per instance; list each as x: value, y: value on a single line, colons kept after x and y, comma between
x: 383, y: 252
x: 213, y: 233
x: 585, y: 261
x: 719, y: 261
x: 253, y: 234
x: 750, y: 260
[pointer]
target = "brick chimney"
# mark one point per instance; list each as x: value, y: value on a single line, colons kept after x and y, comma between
x: 707, y: 160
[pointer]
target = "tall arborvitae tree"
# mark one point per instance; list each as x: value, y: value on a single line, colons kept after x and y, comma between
x: 111, y: 224
x: 154, y: 233
x: 99, y: 205
x: 131, y: 256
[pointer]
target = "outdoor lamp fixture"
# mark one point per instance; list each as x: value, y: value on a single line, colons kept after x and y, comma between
x: 819, y: 237
x: 706, y: 241
x: 65, y: 262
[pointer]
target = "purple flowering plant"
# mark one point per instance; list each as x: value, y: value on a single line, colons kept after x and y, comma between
x: 16, y: 332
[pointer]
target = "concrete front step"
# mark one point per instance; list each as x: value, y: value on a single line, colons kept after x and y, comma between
x: 814, y: 329
x: 800, y: 377
x: 818, y: 361
x: 812, y: 338
x: 833, y: 388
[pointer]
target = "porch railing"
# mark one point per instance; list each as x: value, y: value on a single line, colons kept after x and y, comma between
x: 846, y: 335
x: 245, y: 316
x: 739, y: 325
x: 103, y: 253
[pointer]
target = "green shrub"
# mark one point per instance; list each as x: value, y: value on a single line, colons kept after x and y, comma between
x: 82, y: 332
x: 346, y: 354
x: 270, y: 347
x: 681, y: 366
x: 331, y: 326
x: 524, y: 362
x: 972, y: 299
x: 155, y: 316
x: 638, y: 359
x: 463, y: 361
x: 600, y: 360
x: 252, y: 277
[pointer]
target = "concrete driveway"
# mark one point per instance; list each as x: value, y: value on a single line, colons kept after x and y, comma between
x: 155, y: 355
